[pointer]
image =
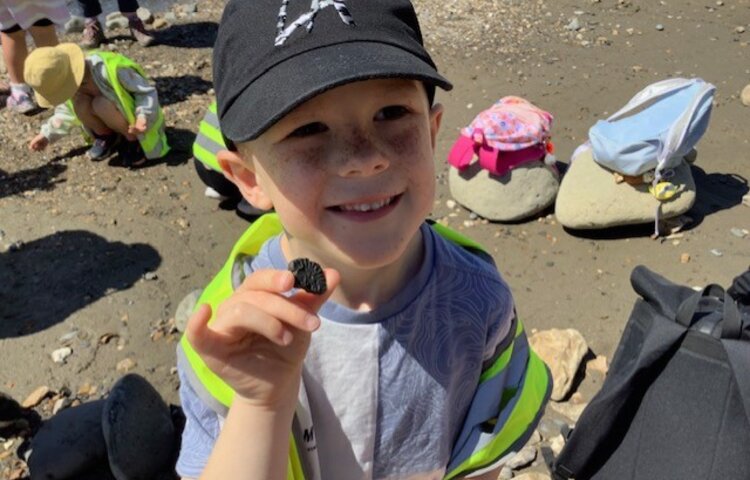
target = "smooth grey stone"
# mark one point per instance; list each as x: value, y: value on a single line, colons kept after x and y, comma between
x: 522, y: 192
x: 138, y: 430
x: 589, y: 198
x: 185, y: 309
x: 68, y: 444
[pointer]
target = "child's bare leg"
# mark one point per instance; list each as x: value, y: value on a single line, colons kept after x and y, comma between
x: 14, y: 53
x: 108, y: 113
x: 84, y: 109
x: 44, y: 36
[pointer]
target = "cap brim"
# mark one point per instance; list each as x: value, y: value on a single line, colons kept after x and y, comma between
x: 296, y: 80
x: 77, y: 68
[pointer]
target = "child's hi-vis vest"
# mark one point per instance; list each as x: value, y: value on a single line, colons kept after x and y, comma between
x: 154, y: 140
x: 507, y: 405
x: 209, y: 141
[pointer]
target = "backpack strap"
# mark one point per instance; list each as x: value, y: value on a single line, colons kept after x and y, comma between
x: 738, y: 352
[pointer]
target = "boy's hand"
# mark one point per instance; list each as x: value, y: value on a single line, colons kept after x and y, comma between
x: 139, y: 126
x: 38, y: 143
x: 259, y: 338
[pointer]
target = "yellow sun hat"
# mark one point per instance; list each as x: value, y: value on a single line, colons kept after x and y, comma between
x: 55, y: 73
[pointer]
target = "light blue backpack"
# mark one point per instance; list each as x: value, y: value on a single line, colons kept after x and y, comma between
x: 656, y: 129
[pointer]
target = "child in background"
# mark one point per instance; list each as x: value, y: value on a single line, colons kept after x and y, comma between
x: 208, y: 142
x: 105, y: 93
x: 16, y: 18
x: 418, y: 367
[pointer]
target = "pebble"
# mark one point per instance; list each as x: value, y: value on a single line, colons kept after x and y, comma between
x: 145, y: 15
x: 160, y: 23
x: 524, y: 457
x: 150, y: 276
x: 126, y: 365
x: 60, y: 404
x: 74, y: 25
x: 685, y: 258
x: 450, y: 204
x: 61, y: 354
x: 659, y: 27
x: 739, y: 232
x: 36, y: 397
x: 740, y: 29
x: 746, y: 198
x: 745, y: 96
x: 716, y: 252
x: 573, y: 25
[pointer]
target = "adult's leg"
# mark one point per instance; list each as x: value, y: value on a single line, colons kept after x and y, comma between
x: 14, y: 52
x: 91, y: 8
x: 127, y: 6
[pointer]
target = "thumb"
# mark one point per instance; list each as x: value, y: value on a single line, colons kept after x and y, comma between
x: 313, y: 302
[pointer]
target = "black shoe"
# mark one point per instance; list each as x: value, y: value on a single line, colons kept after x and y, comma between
x: 132, y: 154
x: 103, y: 147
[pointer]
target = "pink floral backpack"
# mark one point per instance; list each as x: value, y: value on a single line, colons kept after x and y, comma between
x: 510, y: 133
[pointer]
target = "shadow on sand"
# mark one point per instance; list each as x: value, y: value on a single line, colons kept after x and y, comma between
x: 48, y: 279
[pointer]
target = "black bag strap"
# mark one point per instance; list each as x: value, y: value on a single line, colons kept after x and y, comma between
x: 687, y: 309
x: 738, y: 352
x: 740, y: 289
x: 731, y: 322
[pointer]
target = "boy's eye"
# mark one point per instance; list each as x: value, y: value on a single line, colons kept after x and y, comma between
x: 309, y: 130
x: 392, y: 112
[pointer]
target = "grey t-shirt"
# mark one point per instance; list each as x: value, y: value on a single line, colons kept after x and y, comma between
x: 388, y: 389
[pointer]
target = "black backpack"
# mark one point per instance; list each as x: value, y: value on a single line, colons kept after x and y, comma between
x: 676, y: 401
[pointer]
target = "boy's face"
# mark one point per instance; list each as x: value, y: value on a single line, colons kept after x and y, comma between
x: 350, y: 172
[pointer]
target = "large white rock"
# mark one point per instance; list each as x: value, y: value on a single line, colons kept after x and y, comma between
x: 562, y: 351
x: 589, y: 198
x: 520, y: 193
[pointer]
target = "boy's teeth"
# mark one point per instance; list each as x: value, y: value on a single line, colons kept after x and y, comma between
x: 365, y: 207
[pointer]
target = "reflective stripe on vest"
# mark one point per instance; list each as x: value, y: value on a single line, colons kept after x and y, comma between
x: 517, y: 375
x: 154, y: 140
x: 209, y: 141
x: 525, y: 383
x: 87, y: 136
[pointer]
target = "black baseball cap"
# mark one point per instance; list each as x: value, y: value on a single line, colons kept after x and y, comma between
x: 272, y: 55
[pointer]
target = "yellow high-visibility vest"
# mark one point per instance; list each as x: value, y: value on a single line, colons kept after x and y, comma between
x: 531, y: 396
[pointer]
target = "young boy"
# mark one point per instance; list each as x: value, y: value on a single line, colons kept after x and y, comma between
x: 106, y: 93
x: 412, y: 364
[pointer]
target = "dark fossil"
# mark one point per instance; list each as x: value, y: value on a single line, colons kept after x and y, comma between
x: 308, y: 276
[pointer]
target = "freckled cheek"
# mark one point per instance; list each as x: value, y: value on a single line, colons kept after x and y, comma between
x: 413, y: 149
x: 298, y: 176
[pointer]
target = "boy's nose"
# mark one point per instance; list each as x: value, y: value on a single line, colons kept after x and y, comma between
x: 362, y: 158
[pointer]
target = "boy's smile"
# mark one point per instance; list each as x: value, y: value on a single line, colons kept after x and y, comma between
x: 350, y: 173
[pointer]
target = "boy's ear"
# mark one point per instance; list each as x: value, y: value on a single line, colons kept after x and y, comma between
x: 436, y: 117
x: 239, y: 172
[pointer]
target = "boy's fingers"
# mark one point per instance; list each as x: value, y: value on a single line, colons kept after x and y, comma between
x: 276, y: 281
x: 239, y: 319
x: 284, y: 309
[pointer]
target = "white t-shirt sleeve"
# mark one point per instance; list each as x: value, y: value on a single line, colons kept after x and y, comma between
x: 202, y: 426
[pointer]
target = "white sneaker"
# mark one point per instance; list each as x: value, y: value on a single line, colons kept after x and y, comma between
x: 211, y: 193
x: 245, y: 208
